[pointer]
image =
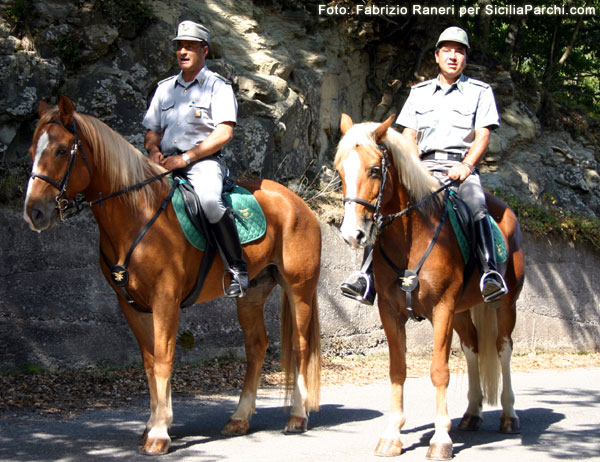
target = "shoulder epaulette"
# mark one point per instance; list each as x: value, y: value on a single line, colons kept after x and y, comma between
x: 479, y: 83
x: 166, y: 80
x: 423, y: 84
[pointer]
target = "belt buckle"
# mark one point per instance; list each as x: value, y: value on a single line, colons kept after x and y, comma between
x: 441, y: 155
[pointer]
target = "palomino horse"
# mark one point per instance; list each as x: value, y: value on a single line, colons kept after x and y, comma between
x: 75, y: 153
x: 401, y: 239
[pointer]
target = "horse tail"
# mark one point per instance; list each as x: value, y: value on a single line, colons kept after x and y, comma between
x: 288, y: 358
x: 486, y: 324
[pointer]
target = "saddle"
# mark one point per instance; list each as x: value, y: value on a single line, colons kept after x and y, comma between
x: 464, y: 229
x: 249, y: 218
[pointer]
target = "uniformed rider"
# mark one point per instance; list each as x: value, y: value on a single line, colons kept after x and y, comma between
x: 190, y: 118
x: 448, y: 121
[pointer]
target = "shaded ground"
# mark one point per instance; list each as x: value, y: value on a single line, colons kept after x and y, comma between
x: 71, y: 392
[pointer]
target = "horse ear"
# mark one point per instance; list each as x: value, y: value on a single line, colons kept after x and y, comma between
x: 346, y: 123
x: 43, y: 107
x: 383, y: 128
x: 66, y: 109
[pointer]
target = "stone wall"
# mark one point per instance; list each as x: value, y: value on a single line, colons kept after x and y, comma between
x: 57, y: 311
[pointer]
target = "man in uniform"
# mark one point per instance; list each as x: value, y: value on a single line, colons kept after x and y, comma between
x: 190, y: 118
x: 448, y: 121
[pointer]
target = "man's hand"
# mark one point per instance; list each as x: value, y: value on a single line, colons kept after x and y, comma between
x: 460, y: 172
x: 173, y: 162
x: 156, y: 157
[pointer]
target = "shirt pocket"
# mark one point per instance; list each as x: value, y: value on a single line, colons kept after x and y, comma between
x: 426, y: 118
x: 463, y: 117
x: 166, y: 112
x: 198, y: 113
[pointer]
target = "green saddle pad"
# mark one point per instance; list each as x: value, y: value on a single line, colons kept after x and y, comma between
x: 501, y: 252
x: 249, y: 217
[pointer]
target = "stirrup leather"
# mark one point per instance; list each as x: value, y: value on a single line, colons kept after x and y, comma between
x: 503, y: 289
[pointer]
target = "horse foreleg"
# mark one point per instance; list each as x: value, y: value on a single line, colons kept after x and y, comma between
x: 463, y: 325
x: 440, y: 445
x: 142, y: 327
x: 390, y: 442
x: 165, y: 319
x: 250, y: 314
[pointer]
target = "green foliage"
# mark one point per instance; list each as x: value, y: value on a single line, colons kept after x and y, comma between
x: 186, y: 340
x: 69, y: 50
x: 550, y: 219
x: 16, y: 11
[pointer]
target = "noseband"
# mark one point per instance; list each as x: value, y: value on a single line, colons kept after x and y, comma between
x: 62, y: 203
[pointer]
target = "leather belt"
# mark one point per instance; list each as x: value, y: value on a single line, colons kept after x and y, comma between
x: 441, y: 155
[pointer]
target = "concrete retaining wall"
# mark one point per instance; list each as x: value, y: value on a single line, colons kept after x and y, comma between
x: 57, y: 311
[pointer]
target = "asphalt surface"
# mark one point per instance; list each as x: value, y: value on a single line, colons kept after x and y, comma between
x: 559, y: 412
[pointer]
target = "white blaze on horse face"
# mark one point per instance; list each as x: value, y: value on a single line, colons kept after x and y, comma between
x: 349, y: 228
x: 42, y: 144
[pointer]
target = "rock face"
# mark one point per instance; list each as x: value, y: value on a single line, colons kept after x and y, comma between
x: 294, y: 72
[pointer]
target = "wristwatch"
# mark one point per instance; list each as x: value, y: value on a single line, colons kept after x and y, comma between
x: 185, y: 157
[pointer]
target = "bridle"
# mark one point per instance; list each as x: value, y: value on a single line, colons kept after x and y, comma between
x: 383, y: 221
x: 62, y: 203
x: 69, y: 208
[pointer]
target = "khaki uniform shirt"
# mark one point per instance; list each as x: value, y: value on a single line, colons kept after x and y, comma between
x: 185, y: 113
x: 446, y: 119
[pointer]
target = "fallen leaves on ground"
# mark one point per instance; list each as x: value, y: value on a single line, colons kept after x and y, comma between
x: 68, y: 392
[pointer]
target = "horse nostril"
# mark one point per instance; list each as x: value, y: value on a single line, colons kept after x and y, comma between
x: 36, y: 215
x: 360, y: 236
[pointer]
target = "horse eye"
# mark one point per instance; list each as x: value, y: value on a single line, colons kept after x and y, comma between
x: 375, y: 172
x: 61, y: 152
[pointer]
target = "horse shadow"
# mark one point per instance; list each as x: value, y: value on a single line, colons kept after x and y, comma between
x: 206, y: 427
x: 534, y: 423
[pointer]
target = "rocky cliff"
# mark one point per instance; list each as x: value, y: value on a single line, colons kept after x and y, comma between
x: 294, y: 72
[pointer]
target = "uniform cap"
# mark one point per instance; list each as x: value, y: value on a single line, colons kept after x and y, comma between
x: 189, y: 30
x: 454, y: 34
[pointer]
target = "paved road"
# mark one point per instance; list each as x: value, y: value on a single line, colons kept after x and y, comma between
x: 559, y: 412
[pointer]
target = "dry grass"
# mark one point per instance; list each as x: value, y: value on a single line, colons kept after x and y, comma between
x: 69, y: 392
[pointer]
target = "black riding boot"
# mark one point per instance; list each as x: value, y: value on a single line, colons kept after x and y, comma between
x: 227, y: 238
x: 362, y: 289
x: 491, y: 284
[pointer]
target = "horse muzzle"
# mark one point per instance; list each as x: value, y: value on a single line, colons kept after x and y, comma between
x: 357, y: 236
x: 40, y: 215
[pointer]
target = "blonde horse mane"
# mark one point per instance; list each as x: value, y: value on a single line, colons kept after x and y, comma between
x: 417, y: 180
x: 116, y: 159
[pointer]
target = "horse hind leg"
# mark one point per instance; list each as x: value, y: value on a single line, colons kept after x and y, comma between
x: 300, y: 350
x: 509, y: 421
x: 472, y: 418
x: 250, y: 310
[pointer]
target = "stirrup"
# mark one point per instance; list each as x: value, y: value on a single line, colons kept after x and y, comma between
x: 234, y: 279
x: 354, y: 295
x: 502, y: 289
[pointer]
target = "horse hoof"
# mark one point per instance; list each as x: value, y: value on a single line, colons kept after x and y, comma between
x: 510, y: 425
x: 236, y: 427
x: 439, y: 451
x: 470, y: 423
x: 156, y: 446
x: 388, y: 447
x: 296, y: 425
x: 144, y: 437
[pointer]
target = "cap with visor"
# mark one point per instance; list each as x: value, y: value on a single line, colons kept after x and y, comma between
x: 189, y: 30
x: 454, y: 34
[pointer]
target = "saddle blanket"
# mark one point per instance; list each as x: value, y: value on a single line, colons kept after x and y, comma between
x: 249, y: 217
x: 501, y: 252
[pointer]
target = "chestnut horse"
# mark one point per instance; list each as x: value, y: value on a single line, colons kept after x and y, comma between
x: 76, y: 153
x: 484, y: 331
